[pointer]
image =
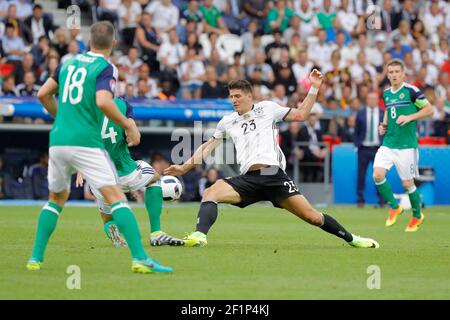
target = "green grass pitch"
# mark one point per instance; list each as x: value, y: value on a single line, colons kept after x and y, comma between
x: 254, y: 253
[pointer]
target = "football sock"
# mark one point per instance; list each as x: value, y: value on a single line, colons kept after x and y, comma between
x: 46, y: 225
x: 153, y: 204
x: 106, y: 226
x: 384, y: 188
x: 126, y: 222
x: 414, y: 198
x: 207, y: 215
x: 332, y: 226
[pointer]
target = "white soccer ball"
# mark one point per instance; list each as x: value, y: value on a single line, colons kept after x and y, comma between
x: 172, y: 189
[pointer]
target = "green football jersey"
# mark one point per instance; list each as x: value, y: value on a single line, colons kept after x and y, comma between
x: 405, y: 101
x: 115, y: 141
x: 78, y: 116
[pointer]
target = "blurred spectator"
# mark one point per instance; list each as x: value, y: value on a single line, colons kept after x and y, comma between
x: 191, y: 74
x: 165, y: 15
x: 389, y: 17
x: 39, y: 24
x: 220, y: 66
x: 256, y: 46
x: 294, y: 28
x: 302, y: 66
x: 357, y: 70
x: 273, y: 49
x: 418, y: 30
x: 40, y: 51
x: 129, y: 91
x: 107, y: 10
x: 60, y: 42
x: 75, y: 35
x: 279, y: 17
x: 313, y: 152
x: 144, y: 74
x: 21, y: 30
x: 38, y: 173
x: 398, y: 50
x: 286, y: 77
x: 308, y: 18
x: 9, y: 86
x: 440, y: 119
x: 52, y: 64
x: 432, y: 70
x: 72, y: 51
x: 212, y: 88
x: 320, y: 52
x: 408, y: 12
x: 367, y: 140
x: 288, y: 139
x: 279, y: 95
x: 347, y: 17
x: 335, y: 30
x: 213, y: 21
x: 29, y: 86
x: 129, y: 14
x: 234, y: 17
x: 211, y: 176
x: 143, y: 91
x: 347, y: 133
x: 167, y: 91
x: 403, y: 34
x: 149, y: 42
x: 131, y: 64
x: 257, y: 9
x: 13, y: 45
x: 170, y: 55
x: 326, y: 16
x: 265, y: 69
x: 248, y: 36
x: 193, y: 42
x: 27, y: 65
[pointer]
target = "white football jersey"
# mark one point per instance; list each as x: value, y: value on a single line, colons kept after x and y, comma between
x: 255, y: 135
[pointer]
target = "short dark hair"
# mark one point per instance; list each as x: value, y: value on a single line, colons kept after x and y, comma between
x: 243, y: 85
x: 396, y: 62
x: 37, y: 6
x: 102, y: 35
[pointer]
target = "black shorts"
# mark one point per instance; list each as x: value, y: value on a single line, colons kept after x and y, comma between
x: 255, y: 186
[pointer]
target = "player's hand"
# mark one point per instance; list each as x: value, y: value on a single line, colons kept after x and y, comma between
x: 382, y: 129
x: 80, y: 180
x: 133, y: 134
x: 402, y: 120
x: 315, y: 78
x: 174, y: 170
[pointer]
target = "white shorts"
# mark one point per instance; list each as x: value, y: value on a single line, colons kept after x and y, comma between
x: 136, y: 180
x: 93, y: 163
x: 406, y: 161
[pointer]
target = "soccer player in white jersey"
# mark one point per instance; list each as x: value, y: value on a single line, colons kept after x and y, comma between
x: 252, y: 127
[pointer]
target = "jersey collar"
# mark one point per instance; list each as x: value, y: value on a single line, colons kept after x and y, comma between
x: 95, y: 54
x: 398, y: 88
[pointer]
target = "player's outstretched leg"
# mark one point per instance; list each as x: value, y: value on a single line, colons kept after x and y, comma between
x: 153, y: 204
x: 220, y: 191
x: 384, y: 188
x: 46, y: 225
x: 299, y: 206
x: 126, y: 222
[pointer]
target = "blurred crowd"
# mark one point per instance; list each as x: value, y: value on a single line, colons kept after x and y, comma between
x: 178, y: 49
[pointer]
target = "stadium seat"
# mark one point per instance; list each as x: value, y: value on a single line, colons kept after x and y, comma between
x: 432, y: 141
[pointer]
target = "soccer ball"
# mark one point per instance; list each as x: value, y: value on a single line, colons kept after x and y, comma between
x: 172, y: 189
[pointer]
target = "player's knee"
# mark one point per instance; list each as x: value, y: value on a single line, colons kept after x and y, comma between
x: 211, y: 193
x: 59, y: 198
x: 407, y: 184
x: 378, y: 176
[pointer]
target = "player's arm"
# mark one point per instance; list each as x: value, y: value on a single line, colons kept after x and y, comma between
x: 426, y: 110
x: 46, y: 92
x: 303, y: 111
x: 203, y: 152
x: 105, y: 85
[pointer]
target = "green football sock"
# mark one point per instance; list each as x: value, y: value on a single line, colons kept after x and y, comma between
x: 153, y: 204
x: 46, y: 225
x: 384, y: 188
x: 126, y: 222
x: 106, y: 226
x: 414, y: 198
